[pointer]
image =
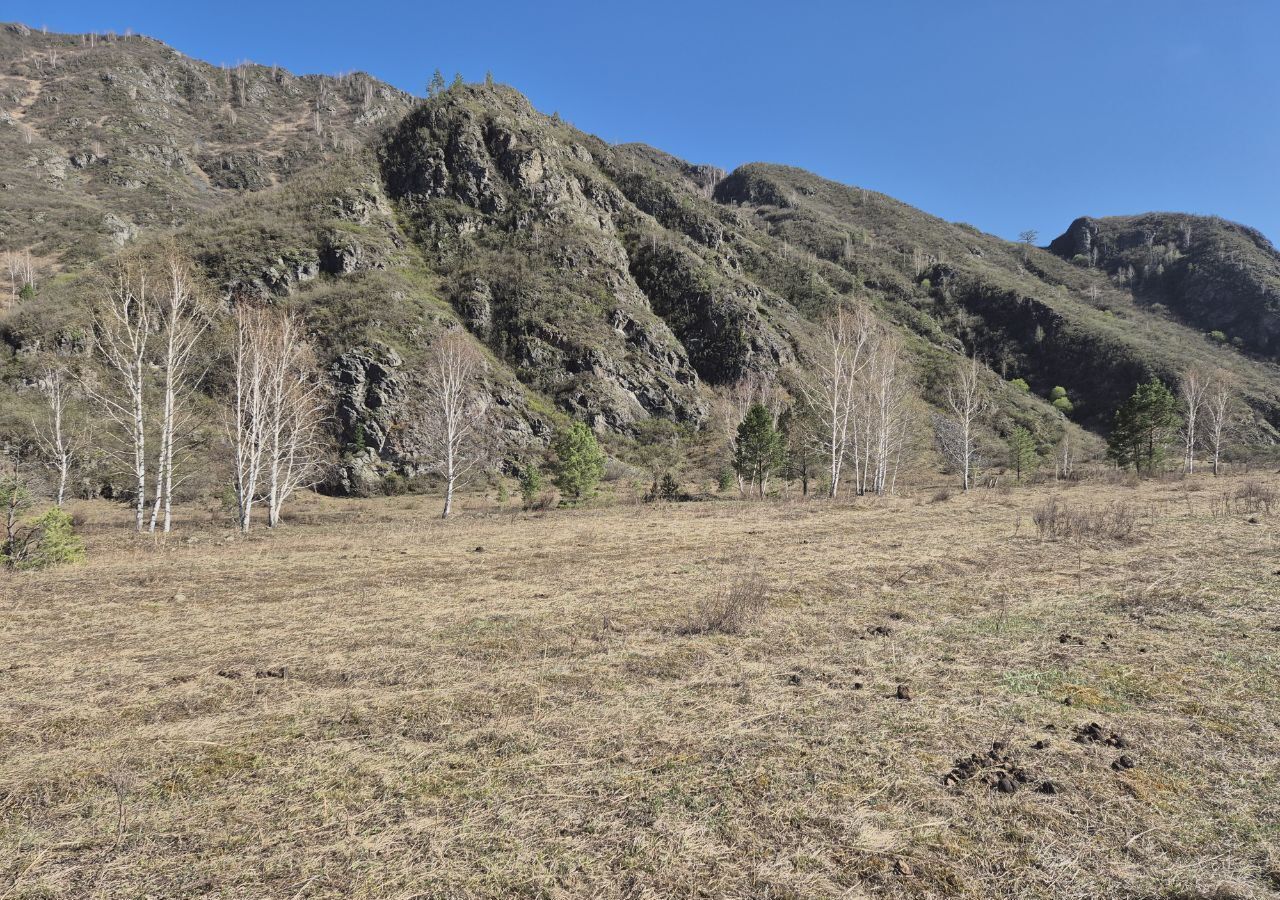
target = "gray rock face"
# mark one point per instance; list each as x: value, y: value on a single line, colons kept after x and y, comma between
x: 278, y: 278
x: 476, y: 308
x: 370, y: 392
x: 1214, y: 274
x: 369, y: 397
x: 512, y: 205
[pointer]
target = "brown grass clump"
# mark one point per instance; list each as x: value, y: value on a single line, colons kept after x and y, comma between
x: 1254, y: 496
x: 732, y: 608
x: 1054, y: 521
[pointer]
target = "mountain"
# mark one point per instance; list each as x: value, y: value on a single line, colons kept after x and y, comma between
x: 1209, y: 273
x: 613, y: 283
x: 102, y: 136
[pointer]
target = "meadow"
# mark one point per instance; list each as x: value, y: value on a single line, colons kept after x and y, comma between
x: 930, y: 698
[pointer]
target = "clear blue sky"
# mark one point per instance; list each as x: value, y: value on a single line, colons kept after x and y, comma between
x: 1007, y: 115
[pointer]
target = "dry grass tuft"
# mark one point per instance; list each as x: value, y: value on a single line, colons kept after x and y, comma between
x: 1055, y: 521
x: 1255, y: 497
x: 731, y: 609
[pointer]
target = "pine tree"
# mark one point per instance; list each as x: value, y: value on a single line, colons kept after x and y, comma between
x: 53, y: 542
x: 1023, y: 458
x: 1144, y: 425
x: 797, y: 433
x: 436, y: 85
x: 579, y: 462
x: 759, y: 451
x: 457, y: 81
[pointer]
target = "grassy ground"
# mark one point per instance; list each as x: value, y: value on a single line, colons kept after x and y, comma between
x: 372, y: 703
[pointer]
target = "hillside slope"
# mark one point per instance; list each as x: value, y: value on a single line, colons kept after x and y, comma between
x: 101, y: 136
x: 1210, y: 273
x: 616, y: 284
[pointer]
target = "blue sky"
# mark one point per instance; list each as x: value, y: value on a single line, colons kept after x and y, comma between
x: 1007, y: 115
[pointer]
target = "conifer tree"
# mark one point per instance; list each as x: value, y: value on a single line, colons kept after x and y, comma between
x: 759, y: 449
x: 579, y: 462
x: 1144, y: 425
x: 1023, y: 458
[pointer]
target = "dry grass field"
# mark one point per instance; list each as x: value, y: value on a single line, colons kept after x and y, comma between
x: 374, y: 704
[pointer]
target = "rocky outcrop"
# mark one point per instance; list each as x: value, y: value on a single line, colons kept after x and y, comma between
x: 512, y: 206
x: 717, y: 317
x: 369, y: 394
x: 1215, y: 275
x: 369, y: 401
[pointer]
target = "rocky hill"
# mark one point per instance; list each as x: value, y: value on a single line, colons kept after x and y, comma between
x: 102, y: 136
x: 1207, y: 272
x: 616, y: 284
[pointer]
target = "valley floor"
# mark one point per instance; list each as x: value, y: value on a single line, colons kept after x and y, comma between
x: 372, y: 703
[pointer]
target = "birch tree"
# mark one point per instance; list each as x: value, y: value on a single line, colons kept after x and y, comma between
x: 294, y: 409
x: 22, y: 274
x: 180, y: 330
x: 833, y: 390
x: 882, y: 415
x: 452, y: 415
x: 967, y: 401
x: 276, y: 412
x: 56, y: 442
x: 1065, y: 455
x: 1193, y: 389
x: 247, y: 415
x: 1218, y: 408
x: 121, y: 332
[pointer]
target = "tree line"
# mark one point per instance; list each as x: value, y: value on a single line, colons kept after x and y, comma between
x: 856, y: 417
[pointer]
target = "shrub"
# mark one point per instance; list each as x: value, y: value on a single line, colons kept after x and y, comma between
x: 941, y: 496
x: 726, y: 480
x: 1054, y: 520
x: 1255, y: 496
x: 579, y: 462
x: 530, y: 484
x: 731, y: 609
x: 50, y: 541
x: 1218, y: 336
x: 1021, y: 384
x: 666, y: 489
x: 503, y: 496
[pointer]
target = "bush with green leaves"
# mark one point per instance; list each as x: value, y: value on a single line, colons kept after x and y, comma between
x: 1061, y: 402
x: 530, y: 484
x: 54, y: 542
x: 1020, y: 384
x: 579, y: 463
x: 49, y: 541
x: 726, y: 480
